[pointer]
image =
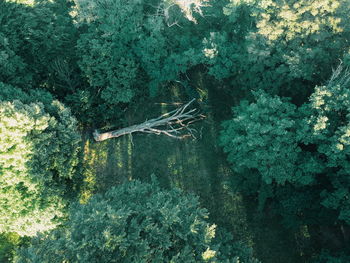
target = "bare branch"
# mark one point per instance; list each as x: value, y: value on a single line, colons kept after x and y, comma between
x: 174, y: 124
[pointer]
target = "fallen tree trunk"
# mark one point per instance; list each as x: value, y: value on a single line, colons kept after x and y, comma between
x: 174, y: 124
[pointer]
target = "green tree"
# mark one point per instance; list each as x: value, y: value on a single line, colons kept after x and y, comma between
x: 38, y: 154
x: 13, y: 68
x: 282, y: 47
x: 8, y: 244
x: 129, y: 50
x: 133, y: 222
x: 263, y: 146
x: 329, y: 131
x: 326, y: 257
x: 37, y: 46
x: 296, y: 158
x: 108, y: 60
x: 261, y: 139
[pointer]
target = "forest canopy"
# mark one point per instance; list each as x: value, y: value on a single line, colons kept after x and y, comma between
x: 134, y: 222
x: 269, y: 166
x: 39, y: 147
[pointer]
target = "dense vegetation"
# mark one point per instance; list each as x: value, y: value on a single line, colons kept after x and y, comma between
x: 135, y: 222
x: 271, y: 156
x: 39, y: 147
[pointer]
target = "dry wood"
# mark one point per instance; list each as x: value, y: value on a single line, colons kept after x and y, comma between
x: 174, y: 124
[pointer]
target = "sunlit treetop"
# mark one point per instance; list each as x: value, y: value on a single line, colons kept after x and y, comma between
x: 290, y: 19
x: 38, y: 153
x: 188, y: 7
x: 26, y: 2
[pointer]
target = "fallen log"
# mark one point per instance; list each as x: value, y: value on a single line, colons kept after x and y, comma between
x: 175, y: 124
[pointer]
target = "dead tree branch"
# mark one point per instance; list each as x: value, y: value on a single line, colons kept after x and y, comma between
x: 175, y: 124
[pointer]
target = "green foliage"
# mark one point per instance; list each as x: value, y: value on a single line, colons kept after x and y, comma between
x: 129, y: 50
x: 329, y: 129
x: 282, y: 47
x: 134, y: 222
x: 13, y: 68
x: 167, y: 53
x: 263, y: 144
x: 38, y: 152
x: 326, y: 257
x: 231, y: 251
x: 51, y: 46
x: 262, y: 139
x: 108, y: 59
x: 8, y: 244
x: 301, y: 153
x: 37, y: 45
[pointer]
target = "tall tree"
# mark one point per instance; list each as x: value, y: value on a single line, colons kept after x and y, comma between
x: 296, y: 158
x: 129, y: 51
x: 37, y: 46
x: 282, y: 47
x: 133, y: 222
x: 38, y: 153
